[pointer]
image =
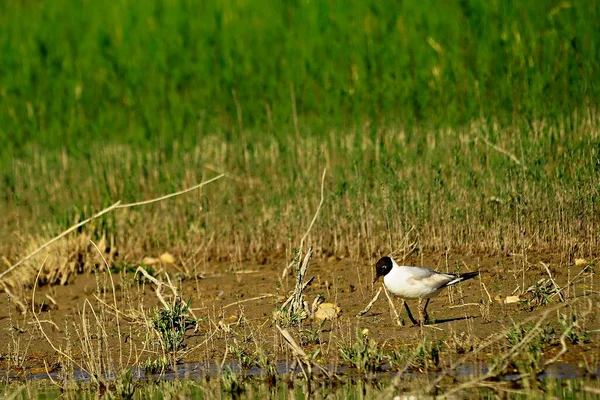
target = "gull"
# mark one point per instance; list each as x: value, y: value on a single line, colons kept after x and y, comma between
x: 416, y: 283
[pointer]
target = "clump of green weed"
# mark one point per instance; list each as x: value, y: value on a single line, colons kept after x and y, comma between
x: 246, y: 358
x: 127, y: 268
x: 311, y: 335
x: 155, y: 366
x: 170, y: 324
x: 399, y: 358
x: 427, y: 354
x: 530, y: 341
x: 543, y: 336
x: 284, y: 317
x: 268, y: 367
x: 461, y: 343
x: 231, y: 383
x: 125, y: 387
x: 516, y: 334
x: 574, y: 333
x: 364, y: 354
x: 425, y: 357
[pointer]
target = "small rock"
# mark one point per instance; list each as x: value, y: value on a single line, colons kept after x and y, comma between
x: 167, y: 258
x: 507, y: 300
x: 580, y: 262
x: 327, y: 311
x: 512, y: 299
x: 150, y: 261
x: 233, y: 318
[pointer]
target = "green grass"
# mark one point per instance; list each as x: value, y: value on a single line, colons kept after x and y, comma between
x: 76, y: 72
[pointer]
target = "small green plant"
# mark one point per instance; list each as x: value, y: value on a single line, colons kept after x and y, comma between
x: 231, y: 383
x: 311, y: 335
x: 285, y: 318
x: 530, y: 341
x: 170, y: 324
x: 574, y: 332
x: 125, y: 387
x: 461, y: 343
x: 400, y: 358
x: 246, y: 358
x: 142, y: 278
x: 590, y: 268
x: 427, y: 354
x: 155, y: 366
x: 126, y: 267
x: 424, y: 357
x: 515, y: 334
x: 364, y: 354
x: 268, y: 367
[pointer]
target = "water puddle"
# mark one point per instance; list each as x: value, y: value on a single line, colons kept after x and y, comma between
x: 204, y: 370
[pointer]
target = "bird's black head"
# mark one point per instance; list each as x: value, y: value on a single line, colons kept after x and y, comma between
x: 383, y: 267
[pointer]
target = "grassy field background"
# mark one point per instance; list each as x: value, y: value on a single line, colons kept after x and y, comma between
x: 460, y: 125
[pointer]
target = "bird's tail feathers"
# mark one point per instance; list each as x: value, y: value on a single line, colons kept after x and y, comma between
x: 468, y: 275
x: 463, y: 277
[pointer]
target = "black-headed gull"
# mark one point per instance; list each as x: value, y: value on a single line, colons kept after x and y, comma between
x: 416, y: 283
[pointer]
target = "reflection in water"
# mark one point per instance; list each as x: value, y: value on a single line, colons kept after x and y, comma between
x: 202, y: 370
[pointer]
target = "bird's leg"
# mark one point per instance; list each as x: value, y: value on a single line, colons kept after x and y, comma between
x: 410, y: 316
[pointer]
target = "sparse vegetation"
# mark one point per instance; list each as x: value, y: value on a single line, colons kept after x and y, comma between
x: 231, y: 383
x: 295, y: 310
x: 245, y: 357
x: 364, y: 354
x: 125, y: 387
x: 574, y: 332
x: 170, y: 324
x: 156, y: 366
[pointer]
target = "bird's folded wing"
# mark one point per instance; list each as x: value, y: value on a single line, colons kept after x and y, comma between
x: 424, y: 276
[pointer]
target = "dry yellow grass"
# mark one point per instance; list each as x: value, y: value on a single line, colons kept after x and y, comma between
x: 479, y: 189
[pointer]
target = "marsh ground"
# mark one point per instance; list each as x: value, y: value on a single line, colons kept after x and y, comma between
x: 235, y: 306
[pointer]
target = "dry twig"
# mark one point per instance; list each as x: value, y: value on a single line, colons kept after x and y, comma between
x: 503, y: 151
x: 370, y: 305
x: 393, y: 307
x: 556, y: 288
x: 264, y: 296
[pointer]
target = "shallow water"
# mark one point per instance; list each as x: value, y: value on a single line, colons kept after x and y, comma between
x: 204, y: 380
x: 204, y: 370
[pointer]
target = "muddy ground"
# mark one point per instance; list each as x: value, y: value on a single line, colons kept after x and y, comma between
x: 235, y: 304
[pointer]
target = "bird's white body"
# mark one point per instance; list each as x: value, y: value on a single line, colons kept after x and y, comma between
x: 416, y: 282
